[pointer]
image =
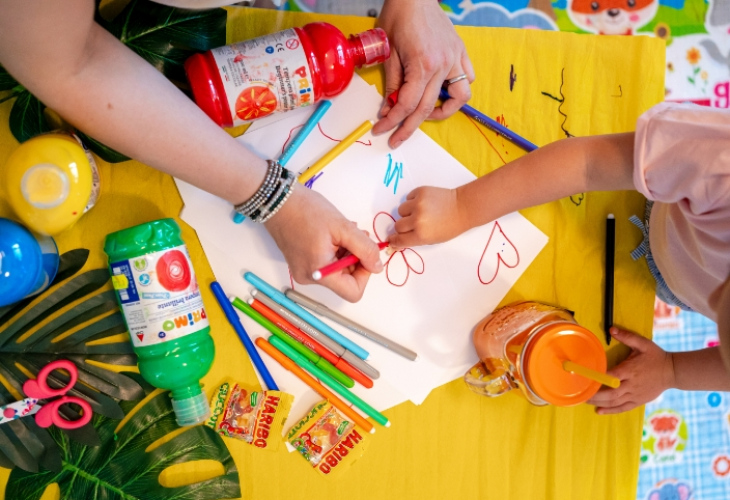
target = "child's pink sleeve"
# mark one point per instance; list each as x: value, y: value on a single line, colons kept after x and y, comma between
x: 682, y: 155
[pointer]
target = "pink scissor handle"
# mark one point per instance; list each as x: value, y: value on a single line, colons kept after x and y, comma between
x: 49, y: 415
x: 38, y: 388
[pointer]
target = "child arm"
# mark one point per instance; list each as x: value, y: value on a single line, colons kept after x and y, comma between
x: 649, y: 371
x: 570, y: 166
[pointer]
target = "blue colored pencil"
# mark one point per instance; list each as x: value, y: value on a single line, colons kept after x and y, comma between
x: 312, y: 122
x: 285, y: 301
x: 493, y: 125
x: 235, y: 321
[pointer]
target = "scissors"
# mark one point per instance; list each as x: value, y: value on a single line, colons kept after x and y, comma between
x: 48, y: 414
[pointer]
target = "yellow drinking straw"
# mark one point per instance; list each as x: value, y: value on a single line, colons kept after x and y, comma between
x: 335, y: 151
x: 601, y: 378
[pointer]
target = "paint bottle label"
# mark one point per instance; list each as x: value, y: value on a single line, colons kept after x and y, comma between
x: 159, y: 295
x: 265, y: 75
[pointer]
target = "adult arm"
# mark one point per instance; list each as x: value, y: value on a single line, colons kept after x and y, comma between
x: 77, y: 68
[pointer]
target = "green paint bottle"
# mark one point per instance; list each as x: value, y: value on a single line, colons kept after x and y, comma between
x: 159, y: 296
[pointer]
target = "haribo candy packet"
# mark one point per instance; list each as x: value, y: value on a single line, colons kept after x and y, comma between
x: 327, y: 439
x: 254, y: 416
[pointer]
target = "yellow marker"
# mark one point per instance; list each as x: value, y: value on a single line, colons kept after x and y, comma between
x: 601, y: 378
x: 336, y: 151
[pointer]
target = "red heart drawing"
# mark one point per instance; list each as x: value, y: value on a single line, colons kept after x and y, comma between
x: 505, y: 250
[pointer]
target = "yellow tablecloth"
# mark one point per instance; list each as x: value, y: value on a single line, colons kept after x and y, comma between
x: 457, y: 444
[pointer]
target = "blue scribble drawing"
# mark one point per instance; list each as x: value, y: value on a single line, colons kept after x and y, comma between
x: 310, y: 182
x: 395, y: 171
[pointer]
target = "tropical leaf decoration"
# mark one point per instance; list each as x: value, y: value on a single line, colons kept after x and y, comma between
x: 82, y: 309
x: 164, y: 36
x: 121, y: 468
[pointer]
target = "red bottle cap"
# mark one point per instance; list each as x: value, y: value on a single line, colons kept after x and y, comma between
x: 371, y: 47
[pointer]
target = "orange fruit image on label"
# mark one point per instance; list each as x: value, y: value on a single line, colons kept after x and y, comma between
x: 255, y: 102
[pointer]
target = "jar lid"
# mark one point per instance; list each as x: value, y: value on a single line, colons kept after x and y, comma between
x: 20, y: 262
x: 545, y: 354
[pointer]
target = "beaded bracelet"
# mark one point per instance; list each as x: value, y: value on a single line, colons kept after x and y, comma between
x: 273, y: 173
x: 270, y: 196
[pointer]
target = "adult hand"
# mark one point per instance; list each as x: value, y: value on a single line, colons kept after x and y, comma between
x: 425, y: 52
x: 644, y: 375
x: 311, y: 233
x: 429, y: 215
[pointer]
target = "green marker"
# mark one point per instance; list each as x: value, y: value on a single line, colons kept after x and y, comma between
x: 278, y: 333
x: 352, y: 398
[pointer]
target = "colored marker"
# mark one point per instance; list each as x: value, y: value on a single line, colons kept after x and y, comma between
x: 295, y: 143
x: 320, y: 337
x: 493, y: 125
x: 243, y: 335
x: 308, y: 341
x: 608, y: 291
x: 325, y: 311
x: 281, y: 299
x: 344, y: 262
x: 336, y: 151
x: 301, y: 349
x: 312, y: 122
x: 311, y: 382
x: 329, y: 381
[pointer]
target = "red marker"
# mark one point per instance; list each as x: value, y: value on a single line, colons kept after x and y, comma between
x: 308, y: 341
x: 393, y: 98
x: 341, y: 264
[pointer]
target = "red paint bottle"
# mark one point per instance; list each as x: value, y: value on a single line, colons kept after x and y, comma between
x: 280, y: 72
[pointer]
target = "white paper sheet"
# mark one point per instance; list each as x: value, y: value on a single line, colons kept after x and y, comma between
x: 433, y: 313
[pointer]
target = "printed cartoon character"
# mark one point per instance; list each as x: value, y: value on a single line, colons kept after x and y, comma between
x: 671, y: 491
x: 612, y: 17
x: 665, y: 427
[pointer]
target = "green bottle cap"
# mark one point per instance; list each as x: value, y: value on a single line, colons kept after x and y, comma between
x: 191, y: 411
x: 144, y: 238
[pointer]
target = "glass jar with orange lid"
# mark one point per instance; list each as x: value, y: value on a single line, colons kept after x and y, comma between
x: 541, y: 350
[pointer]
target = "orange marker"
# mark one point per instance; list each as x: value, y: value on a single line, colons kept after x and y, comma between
x: 290, y: 365
x: 308, y: 341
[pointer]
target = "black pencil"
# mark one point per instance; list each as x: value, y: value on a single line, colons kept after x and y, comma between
x: 608, y: 294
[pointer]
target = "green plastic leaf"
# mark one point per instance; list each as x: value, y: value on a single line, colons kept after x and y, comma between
x: 26, y: 117
x: 80, y: 307
x: 166, y: 36
x: 101, y: 150
x: 120, y: 468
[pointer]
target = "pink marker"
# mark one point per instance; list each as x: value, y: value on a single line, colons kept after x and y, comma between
x: 341, y: 264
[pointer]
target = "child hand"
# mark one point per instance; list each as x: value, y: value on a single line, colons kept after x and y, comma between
x: 644, y: 375
x: 429, y: 215
x: 311, y: 233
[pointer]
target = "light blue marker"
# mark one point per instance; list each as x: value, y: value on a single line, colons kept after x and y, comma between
x: 322, y: 108
x: 285, y: 301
